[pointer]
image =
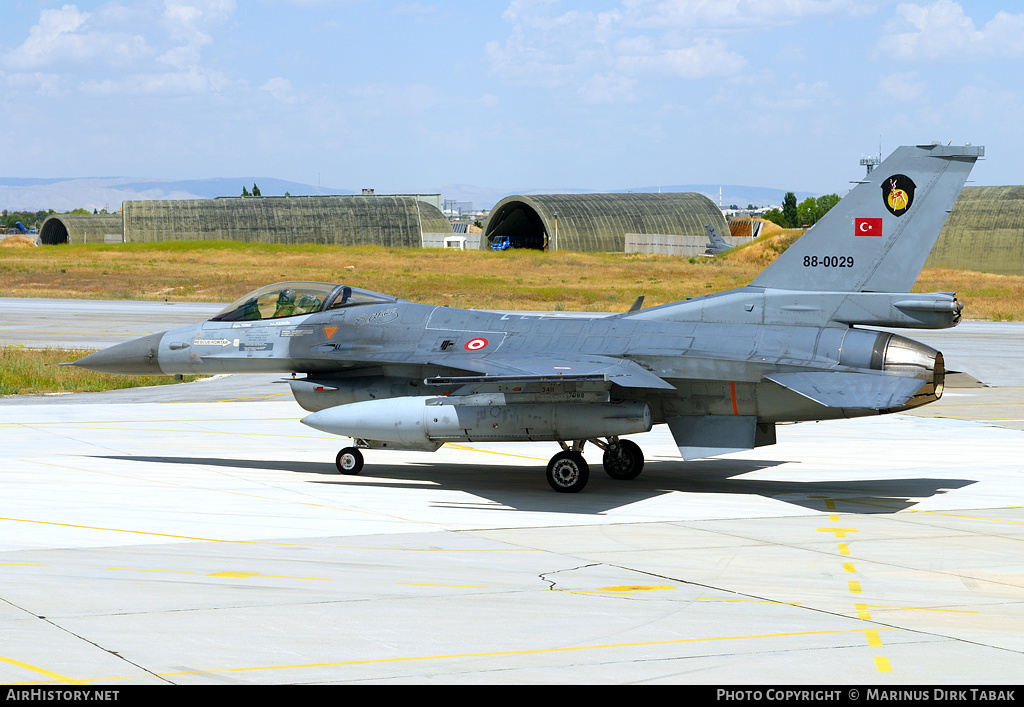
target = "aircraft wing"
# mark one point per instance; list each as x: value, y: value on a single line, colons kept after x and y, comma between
x: 622, y: 372
x: 840, y: 389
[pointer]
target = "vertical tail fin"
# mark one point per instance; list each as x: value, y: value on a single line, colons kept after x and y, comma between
x: 877, y: 238
x: 716, y: 244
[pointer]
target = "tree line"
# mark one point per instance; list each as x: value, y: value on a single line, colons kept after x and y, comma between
x: 29, y: 219
x: 802, y: 215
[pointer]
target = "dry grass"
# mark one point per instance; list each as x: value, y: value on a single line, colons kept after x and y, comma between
x: 26, y: 371
x: 18, y: 242
x: 529, y: 280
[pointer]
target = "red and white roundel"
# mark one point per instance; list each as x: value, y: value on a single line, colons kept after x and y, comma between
x: 476, y: 344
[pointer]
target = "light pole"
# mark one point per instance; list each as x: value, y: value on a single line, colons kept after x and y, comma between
x: 556, y: 230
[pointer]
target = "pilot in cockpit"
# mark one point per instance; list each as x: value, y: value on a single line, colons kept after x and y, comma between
x: 285, y: 303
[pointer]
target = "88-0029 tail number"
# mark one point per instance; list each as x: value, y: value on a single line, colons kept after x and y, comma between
x: 828, y: 261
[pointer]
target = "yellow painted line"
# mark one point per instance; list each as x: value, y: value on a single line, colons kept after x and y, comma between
x: 21, y: 564
x: 921, y: 608
x: 636, y: 588
x: 435, y: 549
x: 159, y: 535
x: 490, y: 451
x: 754, y: 601
x: 957, y: 515
x: 862, y: 612
x: 939, y: 513
x: 833, y: 517
x: 452, y: 586
x: 873, y: 639
x: 41, y: 671
x: 89, y: 333
x: 538, y: 651
x: 165, y: 482
x: 90, y: 423
x: 882, y: 663
x: 838, y: 532
x: 183, y: 432
x: 934, y: 407
x: 830, y: 504
x: 251, y: 397
x: 848, y: 567
x: 854, y: 587
x: 228, y: 574
x: 844, y: 549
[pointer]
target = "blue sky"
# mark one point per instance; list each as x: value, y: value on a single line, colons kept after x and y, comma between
x: 405, y: 95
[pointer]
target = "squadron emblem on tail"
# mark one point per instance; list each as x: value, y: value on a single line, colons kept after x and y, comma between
x: 898, y: 194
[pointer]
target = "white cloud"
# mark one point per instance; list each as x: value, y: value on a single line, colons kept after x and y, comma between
x: 903, y: 86
x: 412, y: 8
x: 64, y: 38
x: 188, y: 22
x: 733, y: 13
x: 281, y: 89
x: 190, y: 81
x: 704, y: 58
x: 123, y: 49
x: 607, y: 54
x: 607, y: 88
x: 942, y: 30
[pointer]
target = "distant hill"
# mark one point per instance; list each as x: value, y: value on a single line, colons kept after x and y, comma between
x: 25, y: 194
x: 733, y: 194
x: 484, y: 198
x: 108, y: 192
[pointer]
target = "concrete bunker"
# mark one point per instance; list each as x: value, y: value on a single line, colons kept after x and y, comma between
x: 596, y: 222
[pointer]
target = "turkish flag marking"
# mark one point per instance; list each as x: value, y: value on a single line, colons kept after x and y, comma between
x: 867, y: 227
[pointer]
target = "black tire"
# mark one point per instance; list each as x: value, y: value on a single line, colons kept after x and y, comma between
x: 349, y: 461
x: 623, y: 461
x: 568, y: 472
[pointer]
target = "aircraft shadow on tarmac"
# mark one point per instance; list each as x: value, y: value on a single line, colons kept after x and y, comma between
x: 523, y: 488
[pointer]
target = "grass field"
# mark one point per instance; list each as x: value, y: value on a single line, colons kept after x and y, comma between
x: 26, y: 371
x: 219, y: 271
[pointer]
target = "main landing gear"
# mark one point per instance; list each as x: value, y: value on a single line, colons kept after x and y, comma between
x: 567, y: 472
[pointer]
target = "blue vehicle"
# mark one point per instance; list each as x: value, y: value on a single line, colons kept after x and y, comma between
x: 501, y: 243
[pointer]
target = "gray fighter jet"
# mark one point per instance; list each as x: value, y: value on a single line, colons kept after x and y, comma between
x: 721, y: 371
x: 716, y: 244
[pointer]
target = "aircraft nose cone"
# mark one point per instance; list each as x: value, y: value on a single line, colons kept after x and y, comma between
x: 136, y: 357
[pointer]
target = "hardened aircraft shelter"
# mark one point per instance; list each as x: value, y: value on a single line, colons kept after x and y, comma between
x: 599, y: 222
x: 392, y: 221
x: 984, y: 232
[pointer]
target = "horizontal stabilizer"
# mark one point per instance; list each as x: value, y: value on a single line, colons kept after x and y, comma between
x: 841, y: 389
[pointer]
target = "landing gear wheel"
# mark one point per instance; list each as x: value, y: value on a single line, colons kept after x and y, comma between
x: 349, y: 461
x: 623, y: 461
x: 568, y: 472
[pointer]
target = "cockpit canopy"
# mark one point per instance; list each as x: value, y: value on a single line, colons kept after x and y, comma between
x: 288, y: 299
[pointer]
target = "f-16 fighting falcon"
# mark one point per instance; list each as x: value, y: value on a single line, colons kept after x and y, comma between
x: 720, y: 370
x: 716, y: 244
